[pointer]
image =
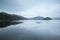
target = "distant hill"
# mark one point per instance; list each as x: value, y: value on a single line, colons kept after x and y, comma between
x: 41, y: 18
x: 6, y: 16
x: 37, y: 18
x: 18, y: 17
x: 47, y: 18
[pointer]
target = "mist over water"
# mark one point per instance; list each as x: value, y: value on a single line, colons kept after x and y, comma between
x: 38, y: 19
x: 32, y: 30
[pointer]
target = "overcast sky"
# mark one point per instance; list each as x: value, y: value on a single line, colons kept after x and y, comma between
x: 31, y: 8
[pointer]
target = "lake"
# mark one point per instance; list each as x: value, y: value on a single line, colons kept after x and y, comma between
x: 32, y: 30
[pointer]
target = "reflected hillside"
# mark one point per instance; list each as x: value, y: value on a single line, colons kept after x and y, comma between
x: 6, y: 24
x: 7, y: 19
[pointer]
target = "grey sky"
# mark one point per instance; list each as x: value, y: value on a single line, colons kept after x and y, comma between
x: 31, y: 8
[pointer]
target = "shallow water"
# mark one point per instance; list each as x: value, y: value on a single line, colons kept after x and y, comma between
x: 32, y: 30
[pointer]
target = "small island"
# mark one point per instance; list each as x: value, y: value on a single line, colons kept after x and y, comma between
x: 47, y: 18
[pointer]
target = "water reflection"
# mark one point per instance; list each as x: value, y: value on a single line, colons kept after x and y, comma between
x: 6, y: 24
x: 46, y: 21
x: 38, y: 22
x: 30, y: 30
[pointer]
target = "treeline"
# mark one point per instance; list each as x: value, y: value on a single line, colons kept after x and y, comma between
x: 6, y: 16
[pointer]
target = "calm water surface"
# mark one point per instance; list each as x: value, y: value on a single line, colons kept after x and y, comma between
x: 32, y: 30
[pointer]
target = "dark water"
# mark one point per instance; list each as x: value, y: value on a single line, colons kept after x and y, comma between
x: 31, y: 30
